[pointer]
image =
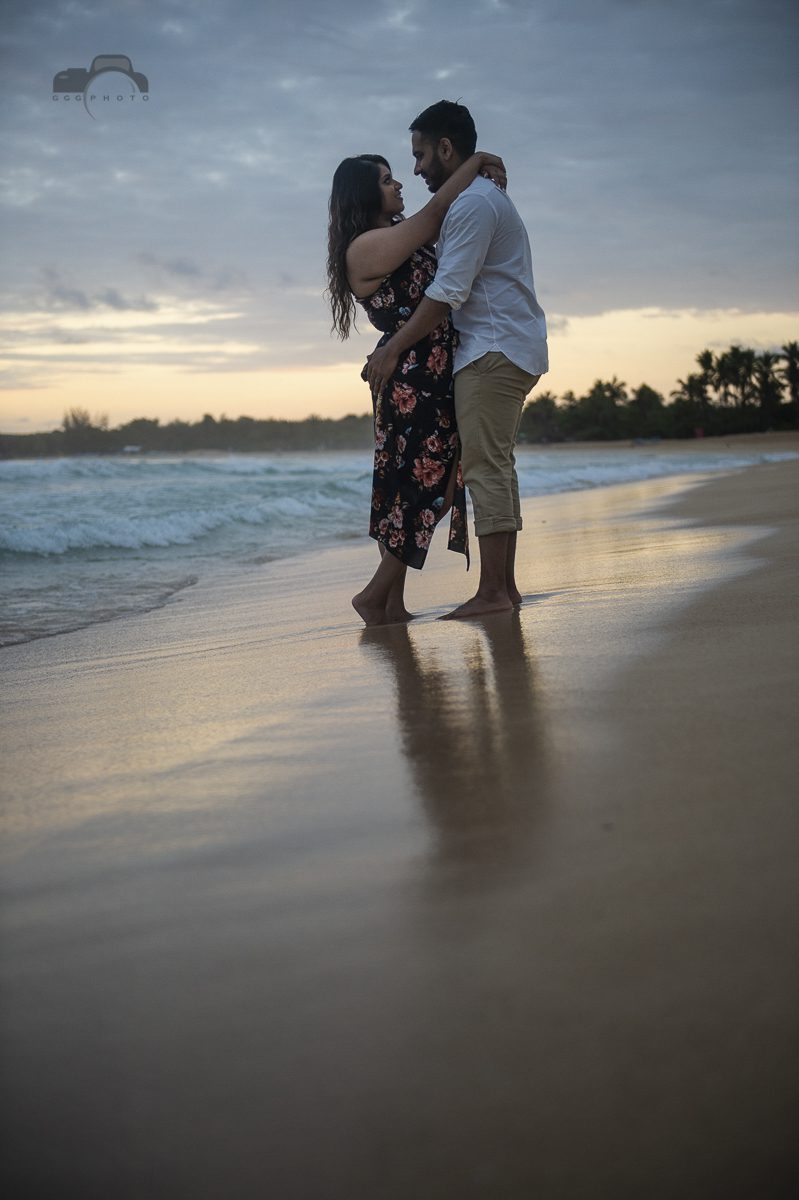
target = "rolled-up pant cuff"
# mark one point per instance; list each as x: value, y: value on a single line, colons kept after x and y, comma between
x: 486, y: 525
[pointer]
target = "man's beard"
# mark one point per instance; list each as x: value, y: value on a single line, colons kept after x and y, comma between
x: 436, y: 178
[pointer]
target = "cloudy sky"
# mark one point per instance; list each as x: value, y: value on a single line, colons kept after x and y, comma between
x: 166, y: 257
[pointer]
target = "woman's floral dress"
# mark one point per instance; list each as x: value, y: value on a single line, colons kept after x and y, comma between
x: 416, y: 439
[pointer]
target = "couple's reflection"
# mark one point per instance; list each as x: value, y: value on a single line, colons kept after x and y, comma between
x: 472, y: 733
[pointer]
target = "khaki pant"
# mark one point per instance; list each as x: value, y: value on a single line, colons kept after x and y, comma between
x: 489, y: 398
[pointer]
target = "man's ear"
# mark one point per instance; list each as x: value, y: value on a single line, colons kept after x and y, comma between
x: 445, y: 149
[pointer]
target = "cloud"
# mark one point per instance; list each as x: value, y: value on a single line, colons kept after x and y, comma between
x: 649, y: 148
x: 402, y: 19
x: 186, y: 335
x: 60, y: 296
x: 193, y: 276
x: 176, y: 266
x: 113, y: 299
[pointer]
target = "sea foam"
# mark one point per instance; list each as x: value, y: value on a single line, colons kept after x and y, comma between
x: 89, y: 537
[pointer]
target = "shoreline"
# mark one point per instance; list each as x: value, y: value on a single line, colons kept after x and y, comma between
x: 56, y: 580
x: 779, y: 437
x: 500, y: 907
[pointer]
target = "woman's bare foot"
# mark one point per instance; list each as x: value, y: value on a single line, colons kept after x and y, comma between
x: 383, y: 593
x: 371, y: 614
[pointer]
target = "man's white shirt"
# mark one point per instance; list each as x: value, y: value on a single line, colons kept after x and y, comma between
x: 485, y: 275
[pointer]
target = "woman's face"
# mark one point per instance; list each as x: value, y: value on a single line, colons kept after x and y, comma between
x: 391, y: 192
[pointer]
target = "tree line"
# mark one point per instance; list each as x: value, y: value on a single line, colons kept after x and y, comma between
x: 82, y: 434
x: 736, y: 391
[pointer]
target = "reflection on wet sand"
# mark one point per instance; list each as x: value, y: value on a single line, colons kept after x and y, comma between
x: 465, y: 911
x: 472, y: 734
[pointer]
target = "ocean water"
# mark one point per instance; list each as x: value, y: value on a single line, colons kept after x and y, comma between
x: 91, y: 538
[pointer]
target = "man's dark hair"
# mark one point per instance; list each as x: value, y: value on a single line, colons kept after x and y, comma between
x: 448, y: 120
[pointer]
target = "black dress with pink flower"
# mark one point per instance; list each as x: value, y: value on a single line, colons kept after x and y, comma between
x: 416, y: 439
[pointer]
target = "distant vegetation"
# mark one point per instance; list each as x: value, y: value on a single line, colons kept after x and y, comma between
x: 736, y: 391
x: 79, y: 434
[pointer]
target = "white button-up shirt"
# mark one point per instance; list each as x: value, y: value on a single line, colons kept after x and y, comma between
x: 485, y: 275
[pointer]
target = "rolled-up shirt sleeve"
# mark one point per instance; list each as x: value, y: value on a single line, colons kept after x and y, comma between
x: 470, y: 225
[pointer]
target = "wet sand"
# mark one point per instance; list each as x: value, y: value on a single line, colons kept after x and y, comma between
x: 492, y: 909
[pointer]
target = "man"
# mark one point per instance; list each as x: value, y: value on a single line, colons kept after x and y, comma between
x: 485, y: 277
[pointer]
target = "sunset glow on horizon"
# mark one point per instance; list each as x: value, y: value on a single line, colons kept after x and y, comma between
x: 649, y: 346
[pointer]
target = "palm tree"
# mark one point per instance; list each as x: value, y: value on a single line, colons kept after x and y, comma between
x: 723, y: 377
x: 540, y: 419
x: 690, y: 390
x: 768, y: 387
x: 707, y: 367
x: 746, y: 378
x: 600, y: 409
x: 790, y: 372
x: 741, y: 369
x: 645, y: 412
x: 690, y: 395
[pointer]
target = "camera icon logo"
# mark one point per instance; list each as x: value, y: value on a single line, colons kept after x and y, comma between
x: 76, y: 80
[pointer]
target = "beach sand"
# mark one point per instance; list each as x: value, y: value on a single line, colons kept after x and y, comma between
x: 460, y: 910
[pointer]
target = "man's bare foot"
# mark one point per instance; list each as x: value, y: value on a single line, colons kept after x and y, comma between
x: 480, y: 606
x: 397, y: 613
x: 371, y: 614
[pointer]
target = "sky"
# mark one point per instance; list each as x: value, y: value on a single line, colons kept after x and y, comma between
x: 166, y: 257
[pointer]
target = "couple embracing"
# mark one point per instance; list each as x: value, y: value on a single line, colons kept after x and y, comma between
x: 463, y: 342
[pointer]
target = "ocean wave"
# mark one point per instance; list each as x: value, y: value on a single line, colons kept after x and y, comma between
x: 59, y: 536
x: 563, y: 470
x: 150, y: 467
x: 55, y: 507
x: 95, y: 503
x: 36, y: 609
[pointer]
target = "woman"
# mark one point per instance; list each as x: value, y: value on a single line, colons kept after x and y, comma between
x: 385, y: 262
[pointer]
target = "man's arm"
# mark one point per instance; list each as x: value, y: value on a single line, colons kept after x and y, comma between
x: 470, y: 227
x: 383, y: 363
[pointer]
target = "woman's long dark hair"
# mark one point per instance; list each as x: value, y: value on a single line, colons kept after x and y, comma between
x: 355, y: 205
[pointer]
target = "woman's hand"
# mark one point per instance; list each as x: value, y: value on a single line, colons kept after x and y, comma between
x: 492, y: 167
